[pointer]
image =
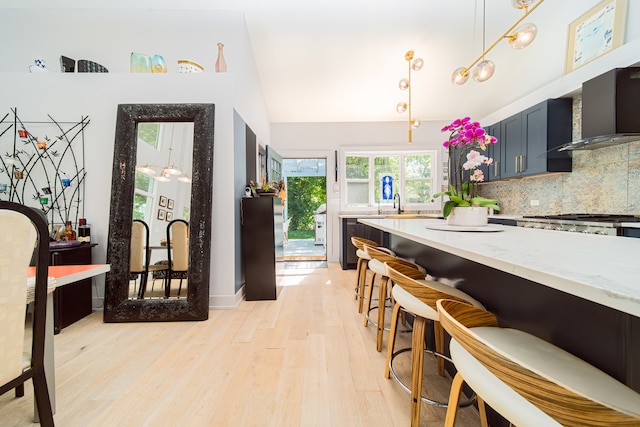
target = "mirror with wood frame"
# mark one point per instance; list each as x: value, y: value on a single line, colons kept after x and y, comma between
x: 119, y: 307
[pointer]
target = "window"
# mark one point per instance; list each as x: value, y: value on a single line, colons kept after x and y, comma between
x: 412, y: 174
x: 148, y: 133
x: 143, y: 197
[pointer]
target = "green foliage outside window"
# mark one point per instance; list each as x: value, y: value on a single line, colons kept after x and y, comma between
x: 141, y: 200
x: 304, y: 195
x: 149, y: 133
x: 357, y: 167
x: 140, y: 203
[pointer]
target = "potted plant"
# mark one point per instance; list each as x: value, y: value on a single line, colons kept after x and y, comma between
x: 465, y: 138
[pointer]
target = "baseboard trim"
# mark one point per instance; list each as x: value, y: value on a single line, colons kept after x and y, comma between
x: 226, y: 302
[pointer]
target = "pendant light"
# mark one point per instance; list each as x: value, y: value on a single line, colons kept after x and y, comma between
x: 167, y: 171
x: 519, y: 38
x: 414, y: 64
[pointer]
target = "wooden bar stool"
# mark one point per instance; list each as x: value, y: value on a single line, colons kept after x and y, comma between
x: 419, y: 297
x: 377, y: 266
x: 361, y: 267
x: 527, y: 380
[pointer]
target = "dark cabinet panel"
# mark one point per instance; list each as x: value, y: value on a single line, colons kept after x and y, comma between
x: 511, y: 132
x: 71, y: 302
x: 529, y: 139
x: 494, y: 152
x: 261, y: 244
x: 350, y: 227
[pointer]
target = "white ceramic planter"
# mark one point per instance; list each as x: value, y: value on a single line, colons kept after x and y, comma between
x: 468, y: 216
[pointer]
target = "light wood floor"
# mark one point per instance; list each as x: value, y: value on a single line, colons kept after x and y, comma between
x: 303, y: 360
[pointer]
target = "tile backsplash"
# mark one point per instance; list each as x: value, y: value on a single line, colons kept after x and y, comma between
x: 604, y: 180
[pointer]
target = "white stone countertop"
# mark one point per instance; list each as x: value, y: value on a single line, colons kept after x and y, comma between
x: 602, y: 269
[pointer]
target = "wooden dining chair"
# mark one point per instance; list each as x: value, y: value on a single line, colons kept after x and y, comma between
x: 178, y: 252
x: 140, y: 255
x: 23, y: 229
x: 527, y: 380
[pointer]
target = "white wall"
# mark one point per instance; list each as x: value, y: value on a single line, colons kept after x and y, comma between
x: 108, y: 37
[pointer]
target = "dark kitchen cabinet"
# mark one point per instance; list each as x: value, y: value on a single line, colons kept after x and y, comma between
x: 512, y: 146
x: 262, y: 243
x: 530, y: 137
x: 493, y: 152
x: 71, y: 302
x: 350, y: 227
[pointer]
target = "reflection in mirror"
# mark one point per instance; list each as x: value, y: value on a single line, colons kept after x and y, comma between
x: 140, y: 121
x: 162, y: 194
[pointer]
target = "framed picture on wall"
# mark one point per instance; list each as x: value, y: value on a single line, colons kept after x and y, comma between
x: 595, y: 33
x: 169, y: 216
x: 163, y: 201
x: 162, y: 214
x: 170, y: 204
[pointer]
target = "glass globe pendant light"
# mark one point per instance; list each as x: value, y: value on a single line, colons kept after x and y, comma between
x: 524, y: 36
x: 414, y: 64
x: 519, y: 38
x: 460, y: 76
x: 483, y: 71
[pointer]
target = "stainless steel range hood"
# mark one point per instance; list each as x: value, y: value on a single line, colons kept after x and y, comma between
x: 610, y: 110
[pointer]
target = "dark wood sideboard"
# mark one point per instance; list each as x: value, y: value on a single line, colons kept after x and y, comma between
x: 71, y: 302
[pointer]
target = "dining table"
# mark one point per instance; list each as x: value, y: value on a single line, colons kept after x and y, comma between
x: 58, y: 276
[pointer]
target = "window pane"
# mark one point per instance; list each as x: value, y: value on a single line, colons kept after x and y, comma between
x: 149, y: 133
x: 140, y: 203
x: 417, y: 192
x: 144, y: 182
x: 387, y: 165
x: 357, y: 167
x: 358, y: 192
x: 417, y: 166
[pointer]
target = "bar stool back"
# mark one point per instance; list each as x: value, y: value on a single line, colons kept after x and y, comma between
x: 362, y: 266
x: 419, y: 297
x: 377, y: 265
x: 528, y: 380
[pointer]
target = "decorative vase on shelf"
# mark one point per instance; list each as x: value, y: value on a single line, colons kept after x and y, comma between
x: 468, y: 216
x: 140, y: 63
x: 221, y: 64
x: 158, y: 64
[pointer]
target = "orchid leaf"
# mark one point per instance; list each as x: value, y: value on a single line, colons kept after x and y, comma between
x: 448, y: 207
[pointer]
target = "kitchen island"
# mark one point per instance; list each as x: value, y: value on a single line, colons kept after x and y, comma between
x: 578, y: 291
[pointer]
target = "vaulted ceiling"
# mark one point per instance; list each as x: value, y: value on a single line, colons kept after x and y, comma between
x: 338, y: 60
x: 341, y: 60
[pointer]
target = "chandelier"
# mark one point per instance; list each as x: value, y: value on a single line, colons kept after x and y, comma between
x: 164, y: 173
x: 518, y: 39
x: 405, y: 84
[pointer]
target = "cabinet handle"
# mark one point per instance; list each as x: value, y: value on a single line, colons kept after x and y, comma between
x: 496, y: 169
x: 522, y: 168
x: 516, y: 166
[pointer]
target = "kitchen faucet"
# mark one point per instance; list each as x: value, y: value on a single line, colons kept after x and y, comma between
x: 394, y: 202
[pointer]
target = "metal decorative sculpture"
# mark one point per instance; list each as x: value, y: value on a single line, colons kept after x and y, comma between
x: 42, y: 165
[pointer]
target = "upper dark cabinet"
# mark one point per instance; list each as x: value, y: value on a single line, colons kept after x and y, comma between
x: 494, y: 150
x: 528, y: 139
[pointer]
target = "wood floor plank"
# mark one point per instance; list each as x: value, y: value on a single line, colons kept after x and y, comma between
x: 302, y: 360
